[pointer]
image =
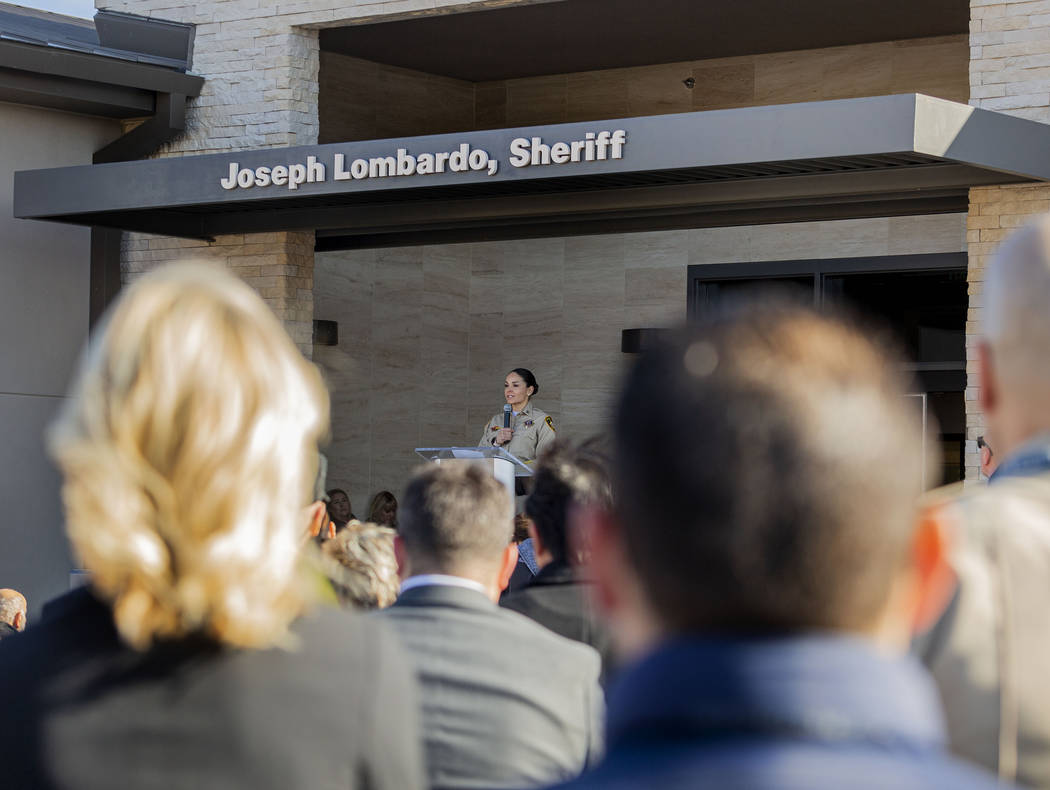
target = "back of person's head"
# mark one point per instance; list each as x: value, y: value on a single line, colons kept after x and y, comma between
x: 767, y: 467
x: 361, y: 564
x: 189, y: 453
x: 455, y: 519
x: 1016, y: 321
x: 566, y: 475
x: 383, y: 509
x: 13, y: 608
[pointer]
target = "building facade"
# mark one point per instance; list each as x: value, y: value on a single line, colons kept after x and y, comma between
x: 427, y: 328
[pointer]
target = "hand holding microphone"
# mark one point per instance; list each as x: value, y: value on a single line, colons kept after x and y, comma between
x: 506, y: 432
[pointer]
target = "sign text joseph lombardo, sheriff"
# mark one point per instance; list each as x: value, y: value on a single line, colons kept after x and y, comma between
x: 523, y: 152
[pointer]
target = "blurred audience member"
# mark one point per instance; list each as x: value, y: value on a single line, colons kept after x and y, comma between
x: 526, y: 568
x: 763, y: 566
x: 991, y: 650
x: 12, y: 612
x: 360, y: 562
x: 188, y: 449
x: 556, y: 597
x: 339, y: 509
x: 506, y: 703
x: 989, y: 463
x: 383, y: 510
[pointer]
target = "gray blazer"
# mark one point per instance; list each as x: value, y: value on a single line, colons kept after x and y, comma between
x: 506, y: 703
x: 80, y: 709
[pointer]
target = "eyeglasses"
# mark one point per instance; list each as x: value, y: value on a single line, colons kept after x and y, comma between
x: 981, y: 444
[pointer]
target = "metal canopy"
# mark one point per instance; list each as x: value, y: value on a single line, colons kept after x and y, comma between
x: 57, y: 61
x: 879, y: 156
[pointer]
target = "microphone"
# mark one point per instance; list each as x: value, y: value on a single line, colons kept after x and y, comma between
x: 506, y: 415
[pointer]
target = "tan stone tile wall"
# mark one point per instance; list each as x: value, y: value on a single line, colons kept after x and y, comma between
x: 363, y: 100
x: 278, y: 265
x: 427, y: 333
x: 936, y: 66
x: 1010, y: 73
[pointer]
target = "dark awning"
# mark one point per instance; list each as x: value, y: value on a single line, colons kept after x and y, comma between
x: 879, y: 156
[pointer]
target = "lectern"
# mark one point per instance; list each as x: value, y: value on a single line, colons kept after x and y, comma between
x: 503, y: 465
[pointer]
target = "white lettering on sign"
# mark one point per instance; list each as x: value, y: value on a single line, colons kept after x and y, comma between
x: 523, y: 152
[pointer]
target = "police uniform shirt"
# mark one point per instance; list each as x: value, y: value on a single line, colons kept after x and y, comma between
x: 533, y: 431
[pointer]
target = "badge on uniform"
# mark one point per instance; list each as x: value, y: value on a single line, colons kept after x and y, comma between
x: 494, y: 428
x: 528, y: 423
x: 550, y: 423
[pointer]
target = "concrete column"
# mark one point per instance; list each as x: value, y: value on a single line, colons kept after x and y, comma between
x: 1010, y: 73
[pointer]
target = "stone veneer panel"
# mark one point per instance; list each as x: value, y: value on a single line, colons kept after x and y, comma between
x: 427, y: 333
x: 1010, y: 73
x: 363, y: 100
x: 260, y: 62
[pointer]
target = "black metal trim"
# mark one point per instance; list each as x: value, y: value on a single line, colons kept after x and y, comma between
x: 72, y: 95
x: 333, y: 240
x: 104, y: 277
x: 96, y: 68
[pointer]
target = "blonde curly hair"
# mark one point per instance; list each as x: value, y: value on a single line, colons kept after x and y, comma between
x: 189, y: 449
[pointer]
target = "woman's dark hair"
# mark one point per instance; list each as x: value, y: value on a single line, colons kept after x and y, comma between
x: 528, y: 378
x: 566, y: 475
x: 333, y: 491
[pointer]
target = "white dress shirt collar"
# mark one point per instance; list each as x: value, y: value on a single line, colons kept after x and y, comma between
x: 443, y: 580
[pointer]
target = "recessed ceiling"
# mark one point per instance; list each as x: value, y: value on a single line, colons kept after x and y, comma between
x: 583, y: 35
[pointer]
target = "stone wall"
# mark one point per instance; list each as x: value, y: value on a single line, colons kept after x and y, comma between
x: 362, y: 100
x: 260, y: 61
x: 935, y: 66
x: 1009, y: 73
x: 427, y: 333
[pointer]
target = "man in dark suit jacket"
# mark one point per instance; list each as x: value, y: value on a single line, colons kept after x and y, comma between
x: 768, y: 597
x: 81, y: 709
x: 506, y: 703
x: 557, y: 597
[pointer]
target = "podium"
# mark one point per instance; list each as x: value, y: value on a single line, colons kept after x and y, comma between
x: 504, y: 466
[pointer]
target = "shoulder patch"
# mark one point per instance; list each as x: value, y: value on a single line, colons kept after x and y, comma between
x: 550, y: 423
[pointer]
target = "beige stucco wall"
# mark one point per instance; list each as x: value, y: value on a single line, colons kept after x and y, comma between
x: 427, y: 333
x: 44, y: 284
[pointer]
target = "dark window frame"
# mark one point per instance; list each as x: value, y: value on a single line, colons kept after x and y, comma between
x: 819, y: 268
x: 934, y: 376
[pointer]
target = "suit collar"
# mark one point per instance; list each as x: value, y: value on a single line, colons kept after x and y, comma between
x: 556, y: 572
x: 444, y: 596
x: 830, y: 688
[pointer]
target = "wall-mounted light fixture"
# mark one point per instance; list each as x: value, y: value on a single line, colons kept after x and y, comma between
x: 634, y: 341
x: 326, y: 333
x: 689, y: 82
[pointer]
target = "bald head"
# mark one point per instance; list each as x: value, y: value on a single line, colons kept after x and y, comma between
x: 13, y: 608
x: 1015, y: 376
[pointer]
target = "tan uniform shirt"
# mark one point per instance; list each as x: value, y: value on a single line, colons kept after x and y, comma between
x: 533, y: 431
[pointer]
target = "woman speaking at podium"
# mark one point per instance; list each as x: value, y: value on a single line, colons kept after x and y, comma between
x: 529, y: 429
